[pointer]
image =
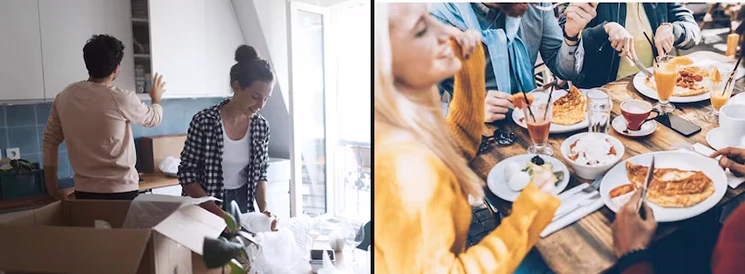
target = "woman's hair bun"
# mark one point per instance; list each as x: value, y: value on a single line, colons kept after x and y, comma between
x: 245, y: 53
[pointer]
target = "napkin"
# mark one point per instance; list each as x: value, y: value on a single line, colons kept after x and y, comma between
x: 572, y: 217
x: 732, y: 180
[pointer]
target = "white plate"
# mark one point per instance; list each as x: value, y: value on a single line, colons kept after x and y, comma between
x: 616, y: 176
x: 639, y: 79
x: 715, y: 139
x: 498, y: 184
x: 619, y: 125
x: 517, y: 114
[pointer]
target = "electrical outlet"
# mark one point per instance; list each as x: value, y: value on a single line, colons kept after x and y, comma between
x: 13, y: 153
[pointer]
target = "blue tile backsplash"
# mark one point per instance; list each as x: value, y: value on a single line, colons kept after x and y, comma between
x: 22, y: 126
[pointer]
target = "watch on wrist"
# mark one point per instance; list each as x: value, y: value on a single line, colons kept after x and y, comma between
x: 632, y: 258
x: 573, y: 39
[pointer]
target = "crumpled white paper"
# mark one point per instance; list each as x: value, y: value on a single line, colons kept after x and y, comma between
x: 279, y: 254
x: 169, y: 165
x: 256, y: 222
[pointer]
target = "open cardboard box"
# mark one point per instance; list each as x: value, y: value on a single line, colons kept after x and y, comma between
x: 62, y: 238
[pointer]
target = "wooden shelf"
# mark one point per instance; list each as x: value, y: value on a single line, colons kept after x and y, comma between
x: 142, y: 55
x: 140, y: 20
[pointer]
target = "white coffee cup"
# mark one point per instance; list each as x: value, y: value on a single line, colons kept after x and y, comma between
x: 732, y: 122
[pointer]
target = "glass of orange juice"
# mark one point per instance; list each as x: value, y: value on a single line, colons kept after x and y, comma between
x: 665, y: 78
x: 719, y: 96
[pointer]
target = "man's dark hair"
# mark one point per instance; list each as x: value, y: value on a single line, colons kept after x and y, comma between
x: 102, y: 53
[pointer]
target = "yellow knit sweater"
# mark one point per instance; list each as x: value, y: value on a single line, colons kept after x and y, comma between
x: 421, y: 214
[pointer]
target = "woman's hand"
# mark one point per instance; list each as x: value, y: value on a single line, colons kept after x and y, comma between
x: 664, y: 39
x: 621, y: 40
x: 270, y: 215
x: 468, y: 40
x: 630, y: 232
x: 732, y: 158
x: 496, y: 106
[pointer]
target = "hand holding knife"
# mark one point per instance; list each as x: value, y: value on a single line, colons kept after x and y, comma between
x: 650, y: 175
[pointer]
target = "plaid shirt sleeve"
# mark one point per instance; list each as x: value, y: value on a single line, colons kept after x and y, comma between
x: 191, y: 169
x: 264, y: 155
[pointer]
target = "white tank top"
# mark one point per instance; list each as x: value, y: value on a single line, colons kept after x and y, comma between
x: 236, y: 156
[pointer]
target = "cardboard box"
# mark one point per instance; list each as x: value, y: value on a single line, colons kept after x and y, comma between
x: 153, y: 149
x: 62, y: 238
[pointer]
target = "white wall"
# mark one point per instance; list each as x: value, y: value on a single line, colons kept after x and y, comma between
x: 264, y: 26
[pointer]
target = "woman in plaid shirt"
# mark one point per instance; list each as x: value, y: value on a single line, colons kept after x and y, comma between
x: 226, y: 150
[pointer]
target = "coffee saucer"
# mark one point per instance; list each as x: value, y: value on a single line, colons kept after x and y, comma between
x: 619, y: 125
x: 715, y: 138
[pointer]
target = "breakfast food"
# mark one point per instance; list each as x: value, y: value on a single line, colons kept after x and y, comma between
x: 681, y: 61
x: 570, y: 108
x: 620, y: 195
x: 519, y: 176
x: 592, y: 150
x: 692, y: 81
x: 672, y: 187
x: 518, y: 99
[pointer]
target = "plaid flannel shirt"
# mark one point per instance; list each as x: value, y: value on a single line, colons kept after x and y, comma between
x: 201, y: 158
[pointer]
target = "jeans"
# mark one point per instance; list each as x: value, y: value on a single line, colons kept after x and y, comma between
x: 239, y: 195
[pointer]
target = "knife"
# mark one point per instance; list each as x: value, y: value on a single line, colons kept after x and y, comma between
x: 640, y: 66
x: 584, y: 200
x: 650, y: 175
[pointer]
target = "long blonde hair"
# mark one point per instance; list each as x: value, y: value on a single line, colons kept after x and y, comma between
x: 420, y: 117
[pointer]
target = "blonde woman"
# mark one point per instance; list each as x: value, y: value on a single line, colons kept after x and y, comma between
x: 422, y: 178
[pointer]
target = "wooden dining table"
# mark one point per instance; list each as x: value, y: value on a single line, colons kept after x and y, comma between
x: 587, y: 245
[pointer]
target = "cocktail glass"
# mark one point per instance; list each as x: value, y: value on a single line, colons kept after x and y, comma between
x: 665, y: 78
x: 719, y: 96
x: 539, y: 124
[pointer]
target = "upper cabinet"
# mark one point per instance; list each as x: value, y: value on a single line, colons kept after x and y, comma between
x: 65, y: 28
x: 190, y: 42
x: 223, y: 36
x: 179, y: 45
x: 20, y: 51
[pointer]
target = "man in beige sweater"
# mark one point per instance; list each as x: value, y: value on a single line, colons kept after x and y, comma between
x: 93, y: 117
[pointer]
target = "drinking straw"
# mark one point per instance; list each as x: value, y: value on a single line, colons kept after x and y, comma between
x: 527, y: 104
x: 549, y: 101
x: 732, y: 75
x: 654, y: 50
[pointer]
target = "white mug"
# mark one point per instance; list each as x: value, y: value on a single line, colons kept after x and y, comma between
x: 732, y: 122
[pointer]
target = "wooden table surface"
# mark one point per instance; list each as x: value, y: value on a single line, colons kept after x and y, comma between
x: 586, y: 246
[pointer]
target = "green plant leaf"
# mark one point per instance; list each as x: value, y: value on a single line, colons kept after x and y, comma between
x: 231, y: 223
x: 236, y: 267
x: 218, y: 252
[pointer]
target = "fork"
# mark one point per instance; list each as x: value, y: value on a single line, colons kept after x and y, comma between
x: 594, y: 186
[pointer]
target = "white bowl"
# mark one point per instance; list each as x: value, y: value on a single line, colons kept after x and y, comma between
x: 591, y: 172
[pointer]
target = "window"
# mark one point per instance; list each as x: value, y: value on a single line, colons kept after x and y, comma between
x: 331, y: 105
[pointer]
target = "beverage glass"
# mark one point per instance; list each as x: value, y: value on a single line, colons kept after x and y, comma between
x: 538, y: 128
x: 665, y: 78
x: 599, y: 106
x: 719, y: 96
x: 636, y: 113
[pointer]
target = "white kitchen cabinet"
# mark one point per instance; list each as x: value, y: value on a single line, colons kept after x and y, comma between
x: 179, y: 44
x: 20, y: 51
x: 65, y: 28
x: 223, y: 36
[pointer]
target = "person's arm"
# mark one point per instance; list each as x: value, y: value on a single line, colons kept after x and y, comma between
x: 686, y: 31
x: 53, y: 137
x: 416, y: 213
x: 562, y: 59
x: 594, y: 35
x: 191, y: 172
x: 138, y: 112
x: 465, y: 116
x: 261, y: 184
x: 730, y: 248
